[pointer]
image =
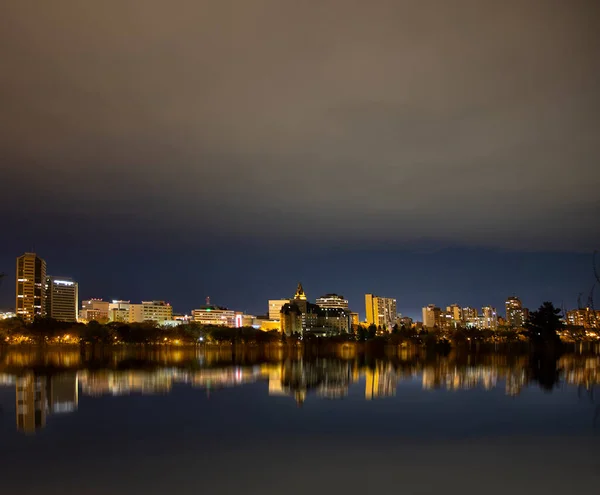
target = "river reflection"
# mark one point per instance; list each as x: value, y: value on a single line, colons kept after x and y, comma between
x: 51, y: 382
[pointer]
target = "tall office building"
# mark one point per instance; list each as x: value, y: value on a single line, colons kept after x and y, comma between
x: 332, y: 301
x: 380, y: 311
x: 30, y: 290
x: 432, y: 316
x: 275, y: 306
x: 62, y: 298
x: 516, y: 315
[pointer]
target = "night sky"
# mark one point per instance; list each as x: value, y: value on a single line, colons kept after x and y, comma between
x: 434, y: 151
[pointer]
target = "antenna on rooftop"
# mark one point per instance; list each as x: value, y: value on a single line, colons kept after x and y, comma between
x: 208, y: 300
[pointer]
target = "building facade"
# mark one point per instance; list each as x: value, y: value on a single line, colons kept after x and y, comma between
x: 30, y: 287
x: 332, y: 301
x: 275, y: 306
x: 155, y: 311
x: 118, y: 311
x: 214, y: 315
x: 62, y: 298
x: 516, y: 315
x: 380, y: 311
x: 94, y: 310
x: 489, y: 318
x: 432, y: 316
x: 584, y: 317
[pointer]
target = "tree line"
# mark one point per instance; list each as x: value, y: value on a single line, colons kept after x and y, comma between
x: 541, y: 330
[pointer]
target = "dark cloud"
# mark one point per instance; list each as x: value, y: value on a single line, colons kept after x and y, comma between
x: 465, y: 123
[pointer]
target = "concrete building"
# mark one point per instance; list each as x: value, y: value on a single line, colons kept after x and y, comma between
x: 380, y: 311
x: 332, y: 301
x: 431, y: 316
x: 275, y: 306
x: 516, y: 315
x: 94, y: 310
x: 156, y: 311
x: 62, y: 298
x: 118, y: 311
x: 214, y: 315
x: 30, y: 287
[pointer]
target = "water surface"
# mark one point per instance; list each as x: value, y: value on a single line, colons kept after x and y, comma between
x: 162, y: 420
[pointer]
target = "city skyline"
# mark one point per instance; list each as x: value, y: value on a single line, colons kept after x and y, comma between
x: 417, y: 315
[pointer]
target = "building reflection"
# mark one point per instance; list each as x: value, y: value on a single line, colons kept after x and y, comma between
x: 42, y: 394
x: 39, y: 396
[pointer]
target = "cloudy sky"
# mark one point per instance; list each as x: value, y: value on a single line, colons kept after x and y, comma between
x: 175, y: 149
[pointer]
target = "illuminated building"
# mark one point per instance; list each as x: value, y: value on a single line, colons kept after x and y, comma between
x: 31, y: 406
x: 299, y: 316
x: 489, y: 318
x: 354, y: 320
x: 7, y: 315
x: 30, y: 290
x: 268, y: 325
x: 332, y: 301
x: 94, y: 310
x: 275, y: 306
x: 380, y: 311
x: 119, y: 311
x: 157, y: 311
x: 516, y: 315
x: 584, y: 317
x: 243, y: 320
x: 470, y: 316
x: 214, y: 315
x: 62, y: 298
x: 332, y: 321
x: 456, y: 314
x: 432, y: 316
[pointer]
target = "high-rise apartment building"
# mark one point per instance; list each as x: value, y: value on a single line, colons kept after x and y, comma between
x: 584, y: 317
x: 516, y: 315
x: 432, y: 316
x: 275, y: 306
x: 332, y: 301
x: 156, y: 311
x: 62, y: 298
x: 489, y: 318
x: 456, y: 313
x: 30, y: 287
x: 380, y: 311
x: 470, y: 316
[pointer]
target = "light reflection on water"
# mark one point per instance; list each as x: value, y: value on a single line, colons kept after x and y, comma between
x: 51, y: 382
